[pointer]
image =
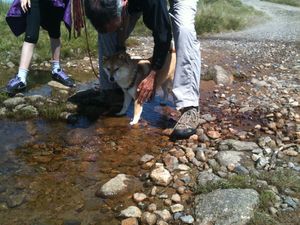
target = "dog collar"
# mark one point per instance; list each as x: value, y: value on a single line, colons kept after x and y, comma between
x: 133, y: 80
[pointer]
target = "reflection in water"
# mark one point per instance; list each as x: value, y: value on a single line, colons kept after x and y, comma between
x: 12, y: 135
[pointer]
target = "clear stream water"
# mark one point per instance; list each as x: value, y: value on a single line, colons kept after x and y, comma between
x: 50, y: 171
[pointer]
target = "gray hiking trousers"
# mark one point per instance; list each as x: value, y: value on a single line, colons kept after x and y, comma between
x: 188, y: 59
x: 188, y: 64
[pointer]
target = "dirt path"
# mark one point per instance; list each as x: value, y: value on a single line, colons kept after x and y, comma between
x: 283, y: 24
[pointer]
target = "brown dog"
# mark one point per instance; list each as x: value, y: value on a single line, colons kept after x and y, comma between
x: 128, y: 73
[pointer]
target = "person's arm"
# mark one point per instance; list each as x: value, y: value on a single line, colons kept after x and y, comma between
x: 156, y: 18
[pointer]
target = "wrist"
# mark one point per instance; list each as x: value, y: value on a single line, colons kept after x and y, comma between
x: 153, y: 73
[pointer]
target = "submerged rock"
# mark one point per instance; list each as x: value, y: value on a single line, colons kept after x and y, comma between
x: 119, y: 185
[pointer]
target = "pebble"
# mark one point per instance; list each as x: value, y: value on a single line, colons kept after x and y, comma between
x: 290, y: 152
x: 131, y: 211
x: 290, y: 202
x: 183, y: 167
x: 176, y: 198
x: 139, y: 197
x: 154, y: 191
x: 146, y: 158
x: 183, y: 160
x: 161, y: 176
x: 130, y: 221
x: 200, y: 155
x: 148, y: 218
x: 152, y: 207
x: 213, y: 134
x: 181, y: 190
x: 187, y: 219
x: 177, y: 208
x: 177, y: 215
x: 168, y: 202
x: 189, y: 153
x: 164, y: 214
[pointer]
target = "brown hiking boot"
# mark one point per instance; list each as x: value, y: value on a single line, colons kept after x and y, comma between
x: 187, y: 124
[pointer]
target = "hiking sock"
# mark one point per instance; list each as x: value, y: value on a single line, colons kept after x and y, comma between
x: 55, y: 65
x: 22, y: 74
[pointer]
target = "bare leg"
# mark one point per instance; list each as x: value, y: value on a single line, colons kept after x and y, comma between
x: 26, y: 55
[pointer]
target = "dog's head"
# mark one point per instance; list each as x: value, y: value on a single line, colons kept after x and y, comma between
x: 119, y: 68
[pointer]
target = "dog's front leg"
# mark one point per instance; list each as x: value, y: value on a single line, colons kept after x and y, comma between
x: 126, y: 103
x: 138, y: 108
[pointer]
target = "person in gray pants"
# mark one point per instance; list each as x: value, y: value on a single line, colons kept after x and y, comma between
x: 186, y: 86
x: 106, y: 17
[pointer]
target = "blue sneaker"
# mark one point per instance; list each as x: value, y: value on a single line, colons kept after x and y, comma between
x: 63, y: 78
x: 15, y: 85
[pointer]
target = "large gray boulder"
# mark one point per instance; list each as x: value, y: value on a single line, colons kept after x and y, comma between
x: 226, y: 207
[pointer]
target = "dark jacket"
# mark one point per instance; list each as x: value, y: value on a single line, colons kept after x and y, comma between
x: 156, y: 18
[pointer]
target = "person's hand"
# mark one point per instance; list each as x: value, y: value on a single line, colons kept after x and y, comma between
x: 25, y: 5
x: 146, y: 87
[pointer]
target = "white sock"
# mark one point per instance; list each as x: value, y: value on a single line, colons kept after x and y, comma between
x: 22, y: 74
x: 55, y: 65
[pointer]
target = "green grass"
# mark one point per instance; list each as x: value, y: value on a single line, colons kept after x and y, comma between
x: 52, y: 111
x: 212, y: 16
x: 286, y: 2
x: 222, y: 15
x: 283, y: 179
x: 262, y: 218
x: 3, y: 97
x: 10, y: 46
x: 238, y: 181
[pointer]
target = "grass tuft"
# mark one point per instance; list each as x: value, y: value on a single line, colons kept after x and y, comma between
x: 262, y: 218
x: 3, y: 97
x: 267, y: 199
x: 53, y: 111
x: 283, y: 179
x: 222, y: 15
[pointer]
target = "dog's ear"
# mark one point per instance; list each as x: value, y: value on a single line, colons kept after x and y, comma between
x: 124, y: 57
x: 104, y: 58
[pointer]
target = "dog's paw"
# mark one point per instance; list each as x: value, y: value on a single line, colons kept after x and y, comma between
x: 133, y: 123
